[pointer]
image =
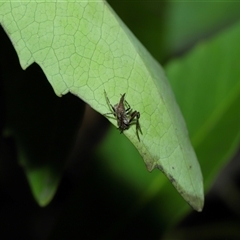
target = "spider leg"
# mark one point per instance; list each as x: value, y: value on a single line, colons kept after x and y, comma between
x: 127, y: 106
x: 110, y: 105
x: 110, y: 113
x: 136, y: 115
x: 133, y: 115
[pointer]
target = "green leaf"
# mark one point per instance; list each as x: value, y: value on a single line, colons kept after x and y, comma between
x: 43, y: 125
x: 181, y: 27
x: 84, y: 48
x: 211, y: 99
x: 206, y: 84
x: 185, y: 23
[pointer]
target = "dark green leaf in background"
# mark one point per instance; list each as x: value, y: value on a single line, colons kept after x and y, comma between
x: 206, y: 83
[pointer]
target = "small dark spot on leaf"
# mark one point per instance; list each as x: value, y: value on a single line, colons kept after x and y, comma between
x: 171, y: 178
x: 160, y: 167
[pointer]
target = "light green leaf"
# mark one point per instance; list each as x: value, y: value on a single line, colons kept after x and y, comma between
x: 209, y: 98
x: 84, y: 48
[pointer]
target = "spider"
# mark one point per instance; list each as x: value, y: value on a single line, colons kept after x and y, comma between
x: 124, y: 114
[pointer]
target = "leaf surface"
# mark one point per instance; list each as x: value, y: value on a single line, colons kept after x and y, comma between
x: 211, y: 98
x: 84, y: 48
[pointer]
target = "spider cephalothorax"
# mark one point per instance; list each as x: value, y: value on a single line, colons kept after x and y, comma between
x: 124, y: 114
